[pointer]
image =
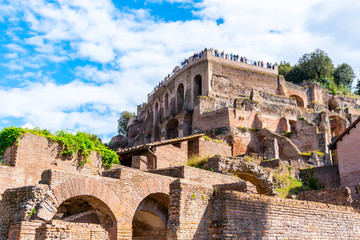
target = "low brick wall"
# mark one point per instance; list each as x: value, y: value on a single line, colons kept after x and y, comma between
x: 57, y: 230
x: 31, y: 155
x: 337, y: 196
x: 237, y: 215
x: 197, y: 175
x: 327, y: 175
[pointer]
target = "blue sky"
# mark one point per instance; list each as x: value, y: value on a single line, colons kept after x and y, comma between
x: 76, y: 64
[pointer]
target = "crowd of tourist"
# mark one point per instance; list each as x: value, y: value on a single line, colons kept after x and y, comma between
x: 235, y: 57
x: 216, y: 53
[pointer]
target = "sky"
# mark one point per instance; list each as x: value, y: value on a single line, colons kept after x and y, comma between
x: 76, y: 64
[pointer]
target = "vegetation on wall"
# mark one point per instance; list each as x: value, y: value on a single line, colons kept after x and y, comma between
x: 80, y: 144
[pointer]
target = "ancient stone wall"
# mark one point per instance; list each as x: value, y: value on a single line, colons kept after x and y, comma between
x: 248, y: 216
x: 337, y: 196
x: 210, y: 148
x: 196, y: 175
x: 328, y: 175
x: 26, y: 159
x: 232, y: 81
x: 172, y: 155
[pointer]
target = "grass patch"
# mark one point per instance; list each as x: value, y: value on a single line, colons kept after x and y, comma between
x: 197, y: 161
x: 212, y: 139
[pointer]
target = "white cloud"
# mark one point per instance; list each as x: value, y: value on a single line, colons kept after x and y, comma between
x: 131, y: 51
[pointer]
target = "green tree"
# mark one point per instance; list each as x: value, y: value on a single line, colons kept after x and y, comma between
x: 123, y: 121
x: 344, y: 75
x: 316, y: 65
x: 357, y: 88
x: 284, y: 68
x: 296, y: 75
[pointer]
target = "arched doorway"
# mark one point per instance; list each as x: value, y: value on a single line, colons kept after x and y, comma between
x: 333, y: 105
x: 151, y: 216
x: 83, y: 216
x: 337, y: 126
x: 299, y: 100
x: 197, y: 87
x: 180, y: 98
x: 166, y: 100
x: 172, y: 129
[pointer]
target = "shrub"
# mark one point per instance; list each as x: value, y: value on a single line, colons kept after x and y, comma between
x: 80, y: 144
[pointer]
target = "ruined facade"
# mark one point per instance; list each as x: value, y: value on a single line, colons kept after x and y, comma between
x: 231, y: 100
x: 65, y: 201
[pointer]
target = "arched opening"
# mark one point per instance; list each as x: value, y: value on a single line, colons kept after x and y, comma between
x: 180, y: 98
x: 166, y: 104
x: 299, y: 100
x: 156, y: 110
x: 151, y: 216
x: 157, y: 133
x: 292, y: 125
x: 333, y: 105
x: 197, y: 87
x: 172, y: 129
x: 337, y: 126
x: 84, y: 215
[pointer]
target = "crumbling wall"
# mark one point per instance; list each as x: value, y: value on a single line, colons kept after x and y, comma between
x: 248, y: 216
x: 27, y: 158
x: 337, y: 196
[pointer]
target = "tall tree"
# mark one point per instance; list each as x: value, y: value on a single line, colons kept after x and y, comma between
x: 344, y: 75
x: 284, y: 68
x: 123, y: 121
x: 357, y: 88
x: 296, y: 75
x: 316, y: 65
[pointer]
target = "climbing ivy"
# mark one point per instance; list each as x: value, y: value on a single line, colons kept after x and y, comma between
x: 81, y: 143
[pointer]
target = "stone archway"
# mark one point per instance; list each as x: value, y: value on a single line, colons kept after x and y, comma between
x: 197, y: 90
x: 299, y: 100
x: 150, y: 218
x: 337, y: 126
x: 180, y: 97
x: 84, y: 200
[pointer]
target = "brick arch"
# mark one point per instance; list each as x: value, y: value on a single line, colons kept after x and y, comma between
x: 80, y: 187
x: 145, y: 188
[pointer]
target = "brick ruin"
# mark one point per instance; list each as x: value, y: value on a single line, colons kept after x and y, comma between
x: 232, y: 100
x: 46, y: 196
x: 154, y: 195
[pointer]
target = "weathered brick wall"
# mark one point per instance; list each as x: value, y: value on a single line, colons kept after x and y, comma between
x: 209, y: 148
x: 188, y: 205
x: 237, y: 215
x: 33, y: 154
x: 337, y: 196
x: 57, y: 230
x: 170, y: 155
x: 228, y: 80
x: 327, y: 175
x: 349, y: 160
x: 18, y: 204
x: 196, y: 175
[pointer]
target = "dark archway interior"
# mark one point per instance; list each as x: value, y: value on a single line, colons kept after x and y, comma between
x: 197, y: 87
x: 87, y: 209
x: 150, y: 219
x: 166, y: 104
x: 299, y: 100
x: 333, y: 105
x: 172, y: 129
x: 180, y: 97
x: 337, y: 126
